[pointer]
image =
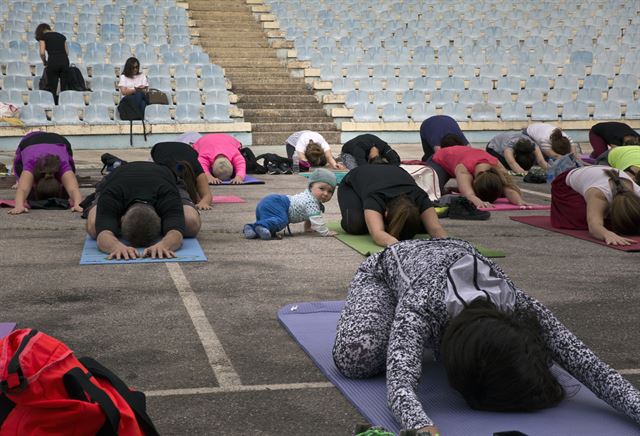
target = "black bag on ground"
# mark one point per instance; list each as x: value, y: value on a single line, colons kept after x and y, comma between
x: 75, y: 81
x: 129, y: 110
x: 42, y: 83
x: 281, y: 165
x: 253, y: 167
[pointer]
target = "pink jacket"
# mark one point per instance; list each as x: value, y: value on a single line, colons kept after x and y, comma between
x: 214, y: 144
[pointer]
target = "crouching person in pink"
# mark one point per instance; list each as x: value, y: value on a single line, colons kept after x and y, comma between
x: 220, y: 157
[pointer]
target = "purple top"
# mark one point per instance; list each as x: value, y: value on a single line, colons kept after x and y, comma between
x: 30, y: 155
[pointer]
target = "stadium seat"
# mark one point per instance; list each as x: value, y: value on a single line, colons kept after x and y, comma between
x: 366, y: 113
x: 498, y: 97
x: 596, y: 81
x: 560, y: 96
x: 589, y: 95
x: 97, y: 114
x: 214, y: 83
x: 452, y: 84
x: 456, y: 111
x: 483, y: 112
x: 34, y: 116
x: 157, y: 114
x: 633, y: 111
x: 343, y: 85
x: 65, y: 115
x: 530, y: 96
x: 470, y: 97
x: 437, y: 71
x: 421, y: 112
x: 358, y: 71
x: 513, y: 111
x: 211, y: 70
x: 544, y: 111
x: 620, y: 95
x: 104, y: 98
x: 188, y: 113
x: 217, y: 113
x: 607, y: 110
x: 424, y: 84
x: 187, y: 84
x: 511, y: 84
x: 440, y: 98
x: 12, y: 96
x: 370, y: 84
x: 384, y: 98
x: 188, y: 97
x: 216, y: 97
x: 574, y: 111
x: 413, y: 97
x: 394, y: 112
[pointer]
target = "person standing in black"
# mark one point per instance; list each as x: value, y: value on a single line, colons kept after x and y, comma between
x: 365, y: 149
x: 54, y: 53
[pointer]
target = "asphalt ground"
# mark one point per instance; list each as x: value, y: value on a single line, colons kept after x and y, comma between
x: 202, y: 339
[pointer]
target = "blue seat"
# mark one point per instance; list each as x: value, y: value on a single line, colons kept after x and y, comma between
x: 216, y: 97
x: 511, y: 84
x: 440, y: 98
x: 607, y: 110
x: 499, y: 97
x: 589, y: 95
x: 465, y: 72
x: 18, y: 69
x: 520, y: 71
x: 626, y: 81
x: 199, y: 58
x: 102, y: 70
x: 383, y: 98
x: 214, y: 83
x: 188, y: 97
x: 157, y: 114
x: 513, y: 111
x: 331, y: 72
x: 575, y: 111
x: 424, y: 84
x: 103, y: 98
x: 456, y: 111
x: 388, y: 71
x: 41, y: 98
x: 161, y: 70
x: 354, y: 98
x: 218, y: 113
x: 97, y: 114
x: 16, y: 82
x: 483, y: 112
x: 211, y: 70
x: 366, y: 113
x: 491, y: 71
x: 452, y: 84
x: 12, y: 96
x: 581, y: 57
x: 343, y: 85
x: 544, y: 111
x: 187, y: 84
x: 185, y: 70
x: 560, y: 96
x: 65, y: 115
x: 437, y: 71
x: 633, y: 111
x: 596, y: 81
x: 394, y: 112
x: 358, y: 71
x: 370, y: 84
x: 620, y: 95
x: 537, y: 83
x: 188, y: 113
x: 566, y: 82
x: 530, y: 96
x: 103, y: 83
x: 397, y: 84
x: 480, y: 84
x: 73, y: 99
x: 470, y: 97
x: 413, y: 97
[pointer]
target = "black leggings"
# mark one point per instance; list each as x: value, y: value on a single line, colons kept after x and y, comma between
x: 352, y: 211
x: 57, y: 70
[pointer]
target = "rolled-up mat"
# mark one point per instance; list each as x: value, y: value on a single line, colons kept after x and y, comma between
x: 364, y: 244
x: 189, y: 252
x: 544, y: 222
x: 313, y: 326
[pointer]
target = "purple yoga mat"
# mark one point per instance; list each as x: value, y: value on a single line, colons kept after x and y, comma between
x: 6, y: 328
x: 313, y: 326
x: 544, y: 222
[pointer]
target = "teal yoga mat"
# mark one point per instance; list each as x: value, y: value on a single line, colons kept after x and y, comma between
x: 339, y: 175
x: 189, y: 252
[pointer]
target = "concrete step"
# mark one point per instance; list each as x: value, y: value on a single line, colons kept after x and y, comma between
x: 278, y: 138
x: 245, y: 62
x: 276, y: 98
x: 215, y: 44
x: 199, y: 5
x: 278, y: 92
x: 262, y: 81
x: 292, y: 127
x: 306, y: 112
x: 239, y: 73
x: 289, y: 121
x: 284, y: 105
x: 250, y: 53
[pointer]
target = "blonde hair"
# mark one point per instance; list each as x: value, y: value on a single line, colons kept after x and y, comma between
x: 315, y: 154
x: 559, y: 143
x: 490, y: 185
x: 624, y: 211
x: 222, y: 168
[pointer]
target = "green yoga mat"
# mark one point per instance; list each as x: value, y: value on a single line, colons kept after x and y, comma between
x: 364, y: 244
x: 339, y: 176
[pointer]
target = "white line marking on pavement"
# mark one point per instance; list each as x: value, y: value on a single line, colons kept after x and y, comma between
x: 231, y: 389
x: 540, y: 194
x: 634, y: 371
x: 220, y: 363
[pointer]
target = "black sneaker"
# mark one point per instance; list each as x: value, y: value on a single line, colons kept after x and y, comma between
x: 462, y: 209
x: 272, y: 168
x: 110, y: 162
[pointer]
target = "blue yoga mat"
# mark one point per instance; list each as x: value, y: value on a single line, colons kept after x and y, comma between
x: 6, y: 328
x: 248, y: 180
x: 313, y: 326
x: 189, y: 252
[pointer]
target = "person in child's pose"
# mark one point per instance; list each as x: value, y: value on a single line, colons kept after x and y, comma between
x: 174, y: 154
x: 44, y: 168
x: 481, y: 177
x: 440, y: 131
x: 627, y: 159
x: 610, y: 134
x: 553, y: 142
x: 386, y: 202
x: 516, y: 152
x: 312, y: 149
x: 584, y: 197
x: 423, y: 294
x: 220, y: 158
x: 275, y: 211
x: 139, y: 201
x: 365, y: 149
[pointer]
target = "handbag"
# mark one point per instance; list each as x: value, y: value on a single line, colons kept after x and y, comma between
x: 155, y: 96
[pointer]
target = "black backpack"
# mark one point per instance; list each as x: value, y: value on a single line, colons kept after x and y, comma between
x: 75, y: 81
x: 253, y: 167
x: 130, y: 111
x: 278, y: 164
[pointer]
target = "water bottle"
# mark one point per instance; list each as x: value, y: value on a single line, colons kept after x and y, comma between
x: 296, y: 163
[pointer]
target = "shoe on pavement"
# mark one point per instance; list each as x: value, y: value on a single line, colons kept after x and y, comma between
x: 262, y: 232
x: 462, y: 209
x: 248, y: 232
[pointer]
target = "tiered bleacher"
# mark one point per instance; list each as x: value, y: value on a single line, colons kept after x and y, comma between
x: 101, y: 35
x: 403, y: 61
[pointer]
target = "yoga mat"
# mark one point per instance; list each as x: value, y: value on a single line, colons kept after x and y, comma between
x: 313, y: 326
x: 219, y: 199
x: 364, y: 244
x: 587, y: 158
x: 7, y: 182
x: 12, y: 203
x: 6, y: 328
x: 503, y: 204
x: 248, y: 180
x: 189, y: 252
x: 544, y: 222
x: 339, y: 175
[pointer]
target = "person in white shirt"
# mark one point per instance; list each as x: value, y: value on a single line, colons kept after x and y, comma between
x: 312, y: 149
x: 133, y: 84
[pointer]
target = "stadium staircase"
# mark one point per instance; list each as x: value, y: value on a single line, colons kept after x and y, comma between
x: 273, y: 101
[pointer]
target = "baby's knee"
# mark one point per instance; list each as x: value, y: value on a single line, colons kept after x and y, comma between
x: 192, y: 222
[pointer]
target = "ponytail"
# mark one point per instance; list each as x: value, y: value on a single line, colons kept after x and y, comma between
x: 624, y: 212
x: 47, y: 186
x: 403, y: 218
x: 185, y: 172
x: 490, y: 185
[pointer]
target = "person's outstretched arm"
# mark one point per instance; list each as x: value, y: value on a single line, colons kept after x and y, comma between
x: 465, y: 186
x: 375, y: 225
x: 108, y: 243
x: 240, y: 168
x: 166, y: 247
x: 332, y: 162
x: 432, y: 224
x: 25, y: 183
x: 508, y: 156
x: 70, y: 183
x: 540, y: 160
x: 202, y: 186
x: 597, y: 206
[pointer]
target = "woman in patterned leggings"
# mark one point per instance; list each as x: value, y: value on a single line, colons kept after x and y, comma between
x: 495, y: 341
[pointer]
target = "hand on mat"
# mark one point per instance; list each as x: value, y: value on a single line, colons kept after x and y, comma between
x: 612, y: 239
x: 213, y: 180
x: 237, y: 180
x: 203, y: 206
x: 18, y: 210
x: 480, y: 204
x: 76, y: 208
x: 429, y: 429
x: 123, y: 253
x: 526, y: 205
x: 339, y: 166
x: 158, y: 251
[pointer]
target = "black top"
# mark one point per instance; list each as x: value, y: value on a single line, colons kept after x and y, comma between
x: 360, y: 146
x: 54, y: 44
x: 169, y: 153
x: 376, y: 185
x: 44, y: 138
x: 143, y: 181
x: 613, y: 132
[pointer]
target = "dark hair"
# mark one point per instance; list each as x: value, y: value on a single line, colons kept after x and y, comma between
x: 489, y: 185
x: 40, y: 31
x: 141, y: 225
x: 524, y: 153
x: 559, y: 143
x: 403, y: 218
x: 498, y: 361
x: 378, y: 160
x: 624, y: 211
x: 451, y: 139
x: 47, y: 186
x: 631, y: 140
x: 315, y: 155
x: 184, y: 171
x: 129, y: 65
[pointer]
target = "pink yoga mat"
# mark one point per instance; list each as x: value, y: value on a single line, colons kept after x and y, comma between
x: 10, y: 203
x: 503, y: 204
x: 544, y: 222
x: 218, y: 199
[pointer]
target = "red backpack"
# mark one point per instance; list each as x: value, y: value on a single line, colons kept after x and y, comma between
x: 45, y: 390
